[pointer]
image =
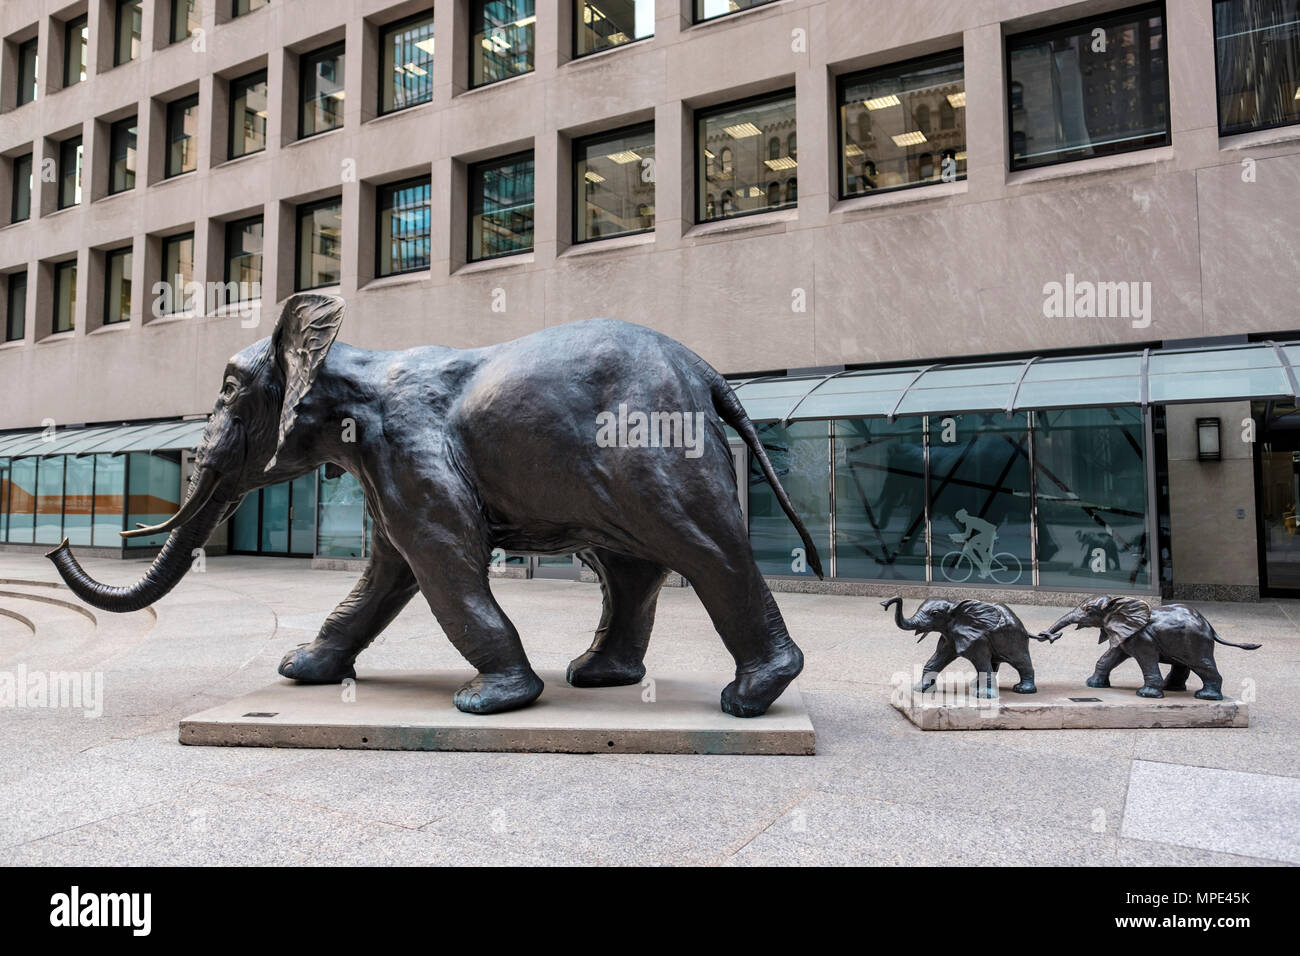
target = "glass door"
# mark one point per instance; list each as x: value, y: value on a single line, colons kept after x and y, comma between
x: 275, y: 519
x: 302, y: 514
x: 1277, y: 492
x: 279, y: 520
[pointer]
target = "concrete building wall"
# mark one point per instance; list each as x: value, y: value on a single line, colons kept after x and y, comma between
x: 951, y: 269
x: 1212, y: 506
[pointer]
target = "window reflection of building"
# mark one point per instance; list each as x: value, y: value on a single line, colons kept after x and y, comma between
x: 746, y: 149
x: 888, y: 134
x: 1075, y: 96
x: 616, y: 190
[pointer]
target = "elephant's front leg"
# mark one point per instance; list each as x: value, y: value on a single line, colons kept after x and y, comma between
x: 385, y: 587
x: 1105, y: 664
x: 630, y: 587
x: 943, y: 655
x: 458, y: 592
x: 1148, y: 658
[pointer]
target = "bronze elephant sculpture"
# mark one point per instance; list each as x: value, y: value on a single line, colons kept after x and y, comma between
x: 987, y: 635
x: 1171, y: 634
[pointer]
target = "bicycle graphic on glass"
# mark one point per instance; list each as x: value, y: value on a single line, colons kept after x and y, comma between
x: 977, y: 554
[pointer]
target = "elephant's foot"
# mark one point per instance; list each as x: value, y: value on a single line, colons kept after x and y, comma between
x: 1097, y: 680
x: 986, y: 686
x: 1146, y: 690
x: 318, y: 663
x: 757, y: 686
x: 1210, y: 692
x: 494, y: 693
x: 598, y: 669
x: 1026, y: 687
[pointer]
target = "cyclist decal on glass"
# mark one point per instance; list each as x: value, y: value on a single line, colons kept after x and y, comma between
x: 977, y: 553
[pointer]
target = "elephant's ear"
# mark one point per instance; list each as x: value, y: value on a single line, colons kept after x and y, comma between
x: 1123, y: 618
x: 971, y: 622
x: 306, y: 330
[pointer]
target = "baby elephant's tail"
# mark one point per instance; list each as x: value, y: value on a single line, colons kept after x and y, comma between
x: 1244, y: 647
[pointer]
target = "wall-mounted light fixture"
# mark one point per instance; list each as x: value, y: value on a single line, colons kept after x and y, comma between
x: 1207, y: 439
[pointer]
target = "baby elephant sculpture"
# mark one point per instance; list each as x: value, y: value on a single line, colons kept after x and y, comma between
x: 461, y: 452
x: 1171, y: 634
x: 987, y: 635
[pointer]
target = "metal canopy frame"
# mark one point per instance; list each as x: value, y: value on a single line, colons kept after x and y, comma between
x: 1259, y: 357
x: 103, y: 439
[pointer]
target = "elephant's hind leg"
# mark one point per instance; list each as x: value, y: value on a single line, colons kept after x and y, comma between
x: 1025, y: 670
x: 737, y: 598
x: 385, y: 587
x: 631, y: 591
x: 1177, y: 679
x: 1211, y: 681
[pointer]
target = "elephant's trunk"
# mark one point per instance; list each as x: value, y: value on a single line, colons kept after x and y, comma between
x: 166, y: 571
x: 908, y: 623
x: 1073, y: 617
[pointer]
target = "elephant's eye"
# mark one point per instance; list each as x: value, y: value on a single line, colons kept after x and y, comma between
x: 229, y: 390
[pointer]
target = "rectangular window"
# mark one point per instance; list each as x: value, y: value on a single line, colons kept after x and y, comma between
x: 76, y: 38
x: 402, y: 243
x: 320, y: 82
x: 117, y: 286
x: 244, y: 259
x: 712, y: 9
x: 248, y: 111
x: 187, y: 17
x: 502, y: 43
x: 1257, y: 63
x: 903, y: 125
x: 28, y: 67
x: 800, y: 452
x: 22, y: 499
x: 501, y: 207
x: 110, y: 501
x: 178, y: 273
x: 22, y: 188
x: 121, y: 156
x: 879, y: 502
x: 1091, y: 493
x: 614, y: 185
x: 406, y: 68
x: 320, y: 239
x: 242, y: 7
x: 65, y: 296
x: 49, y: 500
x: 182, y: 136
x: 1090, y: 88
x: 746, y: 158
x: 153, y: 492
x: 70, y: 172
x: 599, y: 25
x: 16, y: 307
x: 126, y: 45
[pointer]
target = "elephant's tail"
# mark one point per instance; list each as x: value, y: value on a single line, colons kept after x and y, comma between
x: 1245, y: 647
x: 733, y: 413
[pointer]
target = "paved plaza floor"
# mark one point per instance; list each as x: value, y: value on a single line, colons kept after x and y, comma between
x: 118, y: 788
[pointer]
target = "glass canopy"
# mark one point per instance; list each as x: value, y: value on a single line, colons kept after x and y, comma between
x: 1155, y: 376
x: 114, y: 439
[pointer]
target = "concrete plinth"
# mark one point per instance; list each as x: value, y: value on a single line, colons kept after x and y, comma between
x: 411, y: 710
x: 1065, y: 706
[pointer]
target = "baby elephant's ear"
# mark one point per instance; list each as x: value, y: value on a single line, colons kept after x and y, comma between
x: 1123, y: 618
x: 306, y: 330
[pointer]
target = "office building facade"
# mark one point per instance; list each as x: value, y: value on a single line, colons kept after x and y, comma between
x: 1010, y: 286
